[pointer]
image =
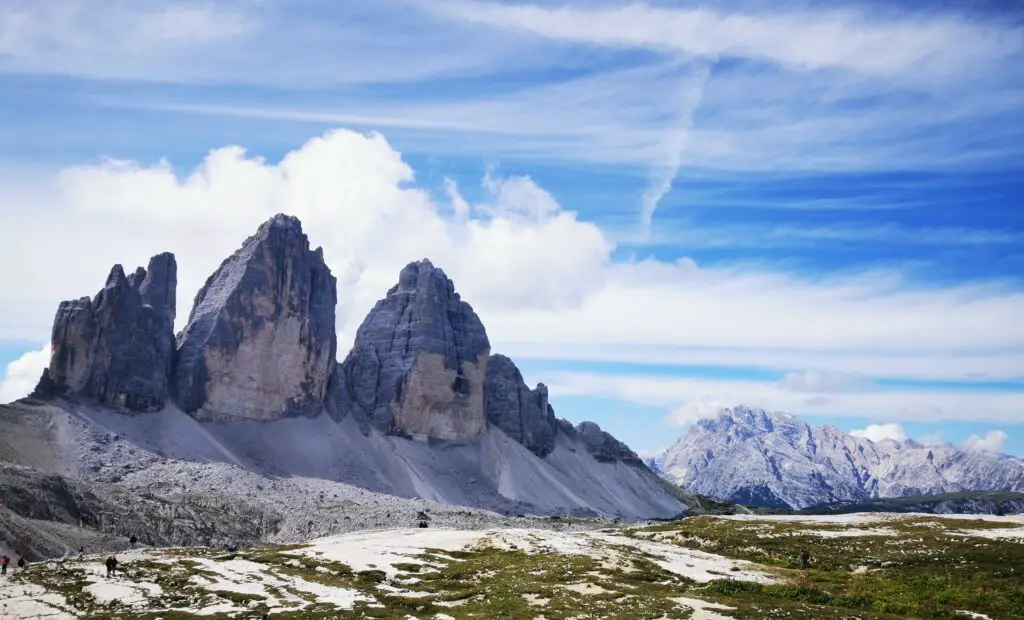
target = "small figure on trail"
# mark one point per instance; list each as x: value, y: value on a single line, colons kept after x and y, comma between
x: 4, y: 561
x: 81, y: 553
x: 805, y: 559
x: 132, y: 541
x: 21, y: 562
x: 111, y: 566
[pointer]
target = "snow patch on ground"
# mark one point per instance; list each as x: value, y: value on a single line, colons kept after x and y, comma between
x: 852, y: 532
x: 703, y: 610
x: 1011, y: 534
x: 246, y: 577
x: 861, y: 518
x: 128, y: 594
x: 697, y: 565
x: 383, y: 550
x: 24, y: 601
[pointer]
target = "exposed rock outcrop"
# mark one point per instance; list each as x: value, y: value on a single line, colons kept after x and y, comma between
x: 260, y: 341
x: 419, y: 360
x: 521, y: 413
x: 602, y: 445
x: 118, y: 346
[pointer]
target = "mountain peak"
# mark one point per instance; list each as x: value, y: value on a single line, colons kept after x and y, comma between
x: 117, y: 347
x: 774, y: 459
x: 260, y: 340
x: 422, y: 276
x: 418, y: 364
x: 282, y: 222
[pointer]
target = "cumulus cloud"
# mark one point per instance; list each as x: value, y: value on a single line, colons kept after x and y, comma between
x: 992, y: 441
x: 650, y: 454
x: 544, y: 281
x: 21, y: 375
x: 689, y: 413
x: 881, y: 432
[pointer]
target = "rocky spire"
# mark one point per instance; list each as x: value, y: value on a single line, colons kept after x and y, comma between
x: 117, y: 347
x: 260, y: 341
x: 417, y: 367
x: 521, y: 413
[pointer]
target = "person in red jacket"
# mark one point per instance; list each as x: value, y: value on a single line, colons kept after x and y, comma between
x: 4, y: 561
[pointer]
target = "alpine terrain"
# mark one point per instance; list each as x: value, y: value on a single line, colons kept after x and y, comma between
x: 244, y: 427
x: 754, y: 457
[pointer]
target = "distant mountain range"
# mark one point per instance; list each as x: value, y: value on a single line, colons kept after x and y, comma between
x: 757, y: 458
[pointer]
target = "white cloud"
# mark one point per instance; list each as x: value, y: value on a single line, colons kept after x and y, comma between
x: 690, y: 399
x: 21, y: 375
x: 816, y: 381
x: 115, y: 37
x: 800, y: 39
x: 650, y: 454
x: 703, y: 409
x: 543, y: 281
x: 520, y: 250
x: 992, y: 442
x: 881, y: 432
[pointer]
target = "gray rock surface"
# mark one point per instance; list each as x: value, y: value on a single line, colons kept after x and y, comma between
x: 260, y: 341
x: 118, y: 346
x: 603, y: 446
x: 418, y: 364
x: 521, y: 413
x: 772, y: 459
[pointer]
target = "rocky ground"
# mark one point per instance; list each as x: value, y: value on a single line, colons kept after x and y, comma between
x: 866, y: 566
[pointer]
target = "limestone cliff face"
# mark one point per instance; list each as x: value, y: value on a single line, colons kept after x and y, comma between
x: 419, y: 361
x: 521, y: 413
x: 117, y: 347
x: 260, y: 341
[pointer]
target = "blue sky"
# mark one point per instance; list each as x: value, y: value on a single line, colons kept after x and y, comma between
x: 657, y: 208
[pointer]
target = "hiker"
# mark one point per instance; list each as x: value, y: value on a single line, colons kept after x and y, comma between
x: 21, y: 562
x: 805, y: 559
x: 132, y: 541
x: 4, y: 561
x: 111, y: 566
x: 81, y: 553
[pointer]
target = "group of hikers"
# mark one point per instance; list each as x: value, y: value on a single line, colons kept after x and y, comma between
x: 5, y: 561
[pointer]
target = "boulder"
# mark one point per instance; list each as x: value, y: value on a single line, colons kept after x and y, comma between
x: 117, y: 347
x: 260, y: 341
x: 521, y: 413
x: 418, y: 363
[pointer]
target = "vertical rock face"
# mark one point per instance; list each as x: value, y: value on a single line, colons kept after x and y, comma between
x: 521, y: 413
x: 260, y: 341
x: 419, y: 360
x: 117, y: 347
